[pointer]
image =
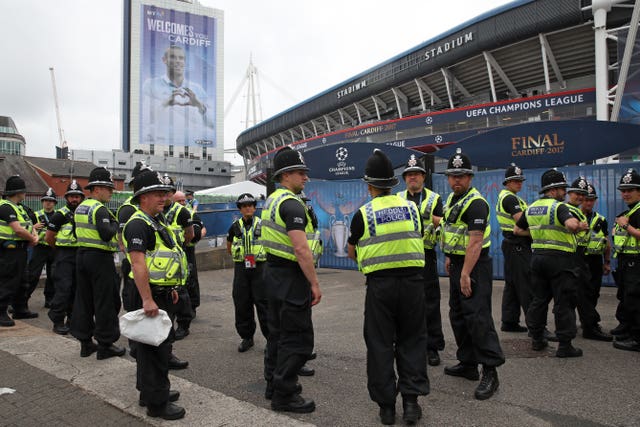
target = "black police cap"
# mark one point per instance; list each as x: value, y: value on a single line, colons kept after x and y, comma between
x: 100, y: 177
x: 287, y: 159
x: 513, y: 173
x: 14, y: 185
x: 414, y: 165
x: 591, y: 191
x: 49, y: 195
x: 74, y: 188
x: 378, y: 172
x: 629, y: 180
x: 148, y: 181
x: 552, y: 178
x: 246, y: 199
x: 578, y: 186
x: 459, y: 164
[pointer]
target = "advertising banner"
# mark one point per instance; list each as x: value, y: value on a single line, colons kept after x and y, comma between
x: 178, y: 75
x: 547, y: 144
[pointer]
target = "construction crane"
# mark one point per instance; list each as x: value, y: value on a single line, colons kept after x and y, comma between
x: 63, y: 143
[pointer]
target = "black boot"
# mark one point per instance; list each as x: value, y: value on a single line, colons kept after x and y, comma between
x: 173, y: 396
x: 411, y: 410
x: 60, y: 328
x: 170, y: 411
x: 565, y: 349
x: 245, y: 344
x: 306, y: 371
x: 628, y: 344
x: 25, y: 313
x: 539, y: 344
x: 469, y: 372
x: 268, y: 391
x: 175, y: 363
x: 488, y: 384
x: 433, y: 358
x: 181, y: 333
x: 512, y: 327
x: 387, y: 415
x: 596, y: 333
x: 293, y: 403
x: 106, y: 351
x: 5, y: 320
x: 87, y: 348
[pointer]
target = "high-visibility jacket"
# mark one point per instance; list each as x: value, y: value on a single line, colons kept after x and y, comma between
x: 66, y: 236
x: 504, y: 218
x: 275, y: 239
x: 43, y: 217
x: 6, y: 232
x: 597, y: 239
x: 427, y: 207
x: 391, y: 237
x: 455, y: 233
x: 582, y: 237
x: 167, y: 261
x: 623, y: 242
x: 249, y: 242
x: 172, y: 220
x: 86, y: 230
x: 547, y: 232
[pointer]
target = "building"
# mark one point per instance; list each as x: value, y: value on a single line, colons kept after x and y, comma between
x: 527, y: 61
x: 11, y: 142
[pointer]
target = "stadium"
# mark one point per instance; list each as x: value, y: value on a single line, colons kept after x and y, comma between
x: 527, y: 61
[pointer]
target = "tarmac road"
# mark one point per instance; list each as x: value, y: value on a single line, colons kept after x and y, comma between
x: 224, y: 387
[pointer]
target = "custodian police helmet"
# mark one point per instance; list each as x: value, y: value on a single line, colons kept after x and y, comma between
x: 578, y: 186
x: 286, y: 160
x: 513, y: 173
x: 148, y: 181
x: 74, y: 188
x: 459, y: 164
x: 378, y: 172
x: 552, y: 179
x: 100, y: 177
x: 14, y: 185
x: 414, y: 165
x: 591, y: 192
x: 629, y: 180
x: 245, y: 199
x: 49, y: 195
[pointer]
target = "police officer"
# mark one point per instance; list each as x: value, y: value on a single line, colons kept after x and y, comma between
x: 98, y: 284
x: 179, y: 218
x: 466, y: 237
x: 245, y: 247
x: 61, y: 235
x: 430, y: 206
x: 589, y: 317
x: 516, y: 251
x: 42, y: 255
x: 291, y: 283
x: 387, y: 242
x: 158, y: 267
x: 554, y: 266
x: 597, y: 247
x: 16, y: 234
x: 626, y: 244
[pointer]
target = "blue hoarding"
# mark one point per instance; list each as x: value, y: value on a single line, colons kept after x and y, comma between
x: 178, y: 75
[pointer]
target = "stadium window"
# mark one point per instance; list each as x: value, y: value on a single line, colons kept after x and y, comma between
x: 211, y: 169
x: 152, y: 149
x: 171, y: 151
x: 198, y: 168
x: 121, y: 163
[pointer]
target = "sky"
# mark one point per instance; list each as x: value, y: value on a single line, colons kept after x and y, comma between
x: 300, y: 48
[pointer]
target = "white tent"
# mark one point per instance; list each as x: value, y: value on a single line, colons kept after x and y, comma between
x: 235, y: 189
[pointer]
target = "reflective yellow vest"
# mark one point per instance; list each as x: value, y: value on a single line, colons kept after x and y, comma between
x: 172, y: 220
x: 167, y: 263
x: 391, y: 237
x: 623, y: 242
x: 275, y: 239
x: 546, y: 230
x: 249, y: 243
x: 6, y: 232
x: 86, y: 231
x: 428, y: 205
x: 43, y: 217
x: 66, y: 236
x: 597, y: 240
x: 455, y: 233
x: 127, y: 202
x: 582, y: 238
x: 504, y: 218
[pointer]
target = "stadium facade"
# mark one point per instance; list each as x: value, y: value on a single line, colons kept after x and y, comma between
x: 527, y: 61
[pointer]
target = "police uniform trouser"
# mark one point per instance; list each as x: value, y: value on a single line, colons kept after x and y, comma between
x: 517, y: 287
x: 553, y: 276
x: 592, y: 287
x: 586, y: 309
x: 152, y: 373
x: 41, y: 256
x: 620, y: 314
x: 470, y: 317
x: 97, y: 295
x: 248, y: 290
x: 394, y: 328
x: 629, y: 277
x: 290, y: 341
x: 13, y: 268
x: 435, y: 337
x: 190, y: 293
x: 131, y: 299
x: 64, y: 280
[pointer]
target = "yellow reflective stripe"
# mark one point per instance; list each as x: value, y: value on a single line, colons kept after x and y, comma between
x: 279, y: 247
x: 409, y: 256
x: 388, y: 238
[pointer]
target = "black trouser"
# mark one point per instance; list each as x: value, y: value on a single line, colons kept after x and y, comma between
x: 620, y: 293
x: 395, y: 330
x: 554, y: 275
x: 152, y: 363
x: 65, y: 282
x: 471, y: 318
x: 190, y: 295
x: 248, y: 290
x: 591, y: 290
x: 629, y: 278
x: 587, y: 313
x: 290, y: 340
x: 41, y: 256
x: 97, y: 295
x: 517, y: 286
x: 435, y: 337
x: 13, y: 269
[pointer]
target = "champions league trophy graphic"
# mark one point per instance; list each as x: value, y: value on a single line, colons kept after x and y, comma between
x: 339, y: 234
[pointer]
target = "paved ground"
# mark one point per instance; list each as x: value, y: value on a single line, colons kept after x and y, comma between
x: 54, y: 386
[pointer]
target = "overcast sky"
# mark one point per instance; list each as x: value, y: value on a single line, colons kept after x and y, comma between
x: 300, y: 48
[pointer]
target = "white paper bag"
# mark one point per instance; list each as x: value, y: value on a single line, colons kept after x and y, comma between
x: 147, y: 330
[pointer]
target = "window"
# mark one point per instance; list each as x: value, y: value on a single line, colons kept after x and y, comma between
x: 186, y: 151
x: 198, y: 168
x: 152, y: 149
x: 171, y: 151
x: 103, y: 162
x: 211, y: 169
x: 121, y: 163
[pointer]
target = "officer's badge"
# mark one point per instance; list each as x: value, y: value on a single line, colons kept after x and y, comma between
x: 74, y: 185
x: 412, y: 161
x: 582, y: 183
x: 627, y: 178
x: 49, y: 192
x: 160, y: 178
x: 301, y: 158
x: 457, y: 161
x: 517, y: 171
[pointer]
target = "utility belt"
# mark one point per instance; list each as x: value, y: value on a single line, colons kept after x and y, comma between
x: 581, y: 250
x: 164, y: 290
x: 13, y: 244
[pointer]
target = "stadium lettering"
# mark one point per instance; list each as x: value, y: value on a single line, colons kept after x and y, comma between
x: 448, y: 45
x: 535, y: 145
x: 350, y: 89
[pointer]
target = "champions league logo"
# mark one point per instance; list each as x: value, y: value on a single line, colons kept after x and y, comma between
x: 342, y: 169
x: 341, y: 154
